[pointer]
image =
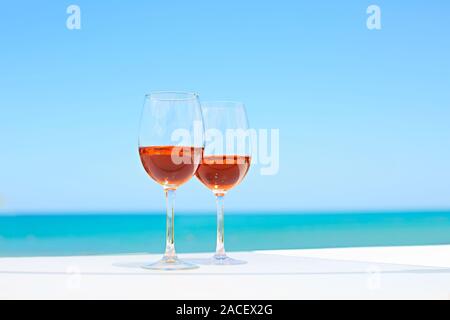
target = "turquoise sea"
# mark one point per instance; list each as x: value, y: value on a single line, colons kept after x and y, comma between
x: 86, y: 234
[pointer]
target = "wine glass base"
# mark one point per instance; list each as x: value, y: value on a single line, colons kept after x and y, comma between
x: 170, y: 263
x: 224, y: 261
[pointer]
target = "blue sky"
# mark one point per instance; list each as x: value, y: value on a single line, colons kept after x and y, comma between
x: 364, y: 116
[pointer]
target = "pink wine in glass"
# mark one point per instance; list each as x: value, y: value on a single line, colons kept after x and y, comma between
x: 170, y: 166
x: 221, y: 173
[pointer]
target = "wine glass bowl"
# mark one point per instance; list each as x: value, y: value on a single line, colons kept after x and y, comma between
x: 222, y: 173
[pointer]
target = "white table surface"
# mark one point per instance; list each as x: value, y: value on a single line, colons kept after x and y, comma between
x: 354, y: 273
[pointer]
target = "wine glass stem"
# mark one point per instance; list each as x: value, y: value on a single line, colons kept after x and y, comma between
x: 220, y: 248
x: 170, y: 238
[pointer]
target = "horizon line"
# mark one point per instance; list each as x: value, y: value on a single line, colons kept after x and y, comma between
x: 211, y: 212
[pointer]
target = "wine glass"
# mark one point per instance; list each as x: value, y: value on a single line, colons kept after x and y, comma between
x: 226, y: 160
x: 170, y: 148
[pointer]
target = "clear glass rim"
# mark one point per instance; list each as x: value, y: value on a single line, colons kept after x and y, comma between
x: 171, y: 95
